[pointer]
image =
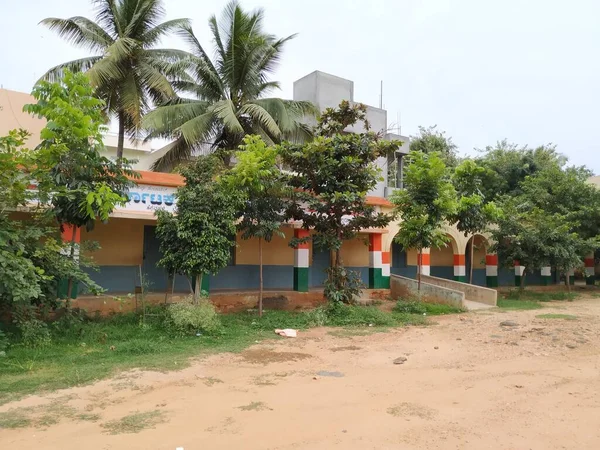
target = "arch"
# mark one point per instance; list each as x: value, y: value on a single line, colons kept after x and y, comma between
x: 443, y: 259
x: 476, y: 260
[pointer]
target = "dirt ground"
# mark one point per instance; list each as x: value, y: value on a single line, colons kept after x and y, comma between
x: 467, y: 383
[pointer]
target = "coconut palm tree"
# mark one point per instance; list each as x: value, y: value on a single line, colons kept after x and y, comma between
x: 128, y: 72
x: 229, y: 92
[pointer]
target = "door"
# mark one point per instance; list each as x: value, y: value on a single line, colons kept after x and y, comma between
x: 157, y: 277
x: 321, y: 260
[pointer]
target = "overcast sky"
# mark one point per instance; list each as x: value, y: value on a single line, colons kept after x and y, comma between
x: 482, y: 70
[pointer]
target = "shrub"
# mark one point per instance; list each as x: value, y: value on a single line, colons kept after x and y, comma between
x: 410, y: 306
x: 413, y: 306
x: 348, y: 315
x: 34, y: 333
x: 186, y: 317
x: 3, y: 342
x: 342, y: 285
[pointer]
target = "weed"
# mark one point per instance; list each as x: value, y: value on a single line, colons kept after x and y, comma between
x: 210, y: 381
x: 412, y: 306
x: 134, y: 423
x: 254, y: 406
x: 557, y: 316
x: 88, y: 417
x: 14, y: 419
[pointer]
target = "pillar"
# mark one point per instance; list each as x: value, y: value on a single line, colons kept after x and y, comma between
x: 491, y: 270
x: 301, y: 261
x: 571, y: 275
x: 385, y: 269
x: 546, y: 273
x: 425, y: 259
x: 519, y: 269
x: 460, y: 268
x: 66, y: 235
x: 375, y: 262
x: 590, y: 270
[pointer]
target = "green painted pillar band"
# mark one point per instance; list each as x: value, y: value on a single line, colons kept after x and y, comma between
x: 301, y: 279
x: 546, y: 273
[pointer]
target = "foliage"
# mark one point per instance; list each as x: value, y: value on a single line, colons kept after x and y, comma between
x: 187, y: 317
x: 332, y: 175
x: 197, y: 239
x: 262, y: 185
x: 84, y: 185
x: 228, y: 92
x: 342, y: 285
x: 3, y: 343
x: 128, y: 72
x: 518, y: 305
x: 426, y: 202
x: 517, y: 294
x: 430, y: 140
x: 507, y: 165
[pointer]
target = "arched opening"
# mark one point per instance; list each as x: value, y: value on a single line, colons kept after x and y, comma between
x: 475, y: 260
x: 403, y: 261
x: 442, y: 260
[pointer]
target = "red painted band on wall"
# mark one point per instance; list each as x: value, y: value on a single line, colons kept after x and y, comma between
x: 459, y: 260
x: 375, y: 242
x: 491, y: 260
x: 385, y: 257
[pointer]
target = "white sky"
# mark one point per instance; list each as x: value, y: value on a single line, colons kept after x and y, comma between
x: 482, y: 70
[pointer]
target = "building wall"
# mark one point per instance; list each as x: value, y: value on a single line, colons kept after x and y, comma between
x: 275, y: 253
x: 355, y: 253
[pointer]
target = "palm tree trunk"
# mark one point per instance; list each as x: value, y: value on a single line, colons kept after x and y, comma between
x: 121, y: 137
x: 260, y: 277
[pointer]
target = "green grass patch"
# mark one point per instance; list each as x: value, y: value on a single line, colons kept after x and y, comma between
x: 511, y: 304
x: 413, y: 306
x: 539, y: 296
x: 557, y: 316
x: 95, y: 349
x: 134, y: 423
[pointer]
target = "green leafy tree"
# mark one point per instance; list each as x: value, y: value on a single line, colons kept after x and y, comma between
x: 84, y: 185
x: 431, y: 140
x: 258, y: 179
x: 473, y: 214
x: 32, y: 257
x: 229, y: 94
x: 507, y: 165
x: 197, y: 239
x: 427, y: 201
x: 331, y: 177
x: 128, y: 72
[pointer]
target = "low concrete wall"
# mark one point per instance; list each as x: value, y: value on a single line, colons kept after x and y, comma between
x: 405, y: 287
x: 472, y: 292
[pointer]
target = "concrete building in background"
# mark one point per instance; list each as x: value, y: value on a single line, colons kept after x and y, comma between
x: 327, y: 91
x: 12, y: 117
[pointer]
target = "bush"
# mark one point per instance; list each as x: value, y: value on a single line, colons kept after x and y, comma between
x: 410, y: 306
x: 34, y: 333
x: 186, y: 317
x: 348, y: 315
x: 342, y: 285
x: 3, y: 342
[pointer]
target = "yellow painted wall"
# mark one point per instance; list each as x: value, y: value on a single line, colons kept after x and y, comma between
x: 411, y: 257
x: 355, y: 253
x: 275, y: 253
x: 479, y: 253
x: 443, y: 257
x: 121, y: 241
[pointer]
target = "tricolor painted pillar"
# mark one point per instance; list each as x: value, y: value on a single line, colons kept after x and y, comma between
x: 67, y: 235
x: 491, y: 270
x: 375, y: 262
x: 519, y: 269
x: 301, y: 262
x: 460, y: 268
x: 385, y: 269
x: 590, y: 270
x: 546, y: 273
x: 425, y: 259
x: 571, y: 275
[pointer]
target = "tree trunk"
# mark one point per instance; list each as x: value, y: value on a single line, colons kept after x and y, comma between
x: 198, y: 290
x: 419, y: 269
x: 121, y: 137
x: 568, y: 281
x: 522, y: 285
x: 72, y: 254
x: 338, y: 258
x: 260, y: 277
x: 471, y: 264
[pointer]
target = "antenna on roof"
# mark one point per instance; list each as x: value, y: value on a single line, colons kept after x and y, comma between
x: 381, y: 95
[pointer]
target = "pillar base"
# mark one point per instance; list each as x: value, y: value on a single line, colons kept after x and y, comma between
x: 301, y: 279
x: 491, y: 282
x: 461, y: 278
x: 376, y: 278
x: 590, y: 281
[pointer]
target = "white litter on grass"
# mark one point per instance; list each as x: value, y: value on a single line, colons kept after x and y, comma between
x: 287, y: 332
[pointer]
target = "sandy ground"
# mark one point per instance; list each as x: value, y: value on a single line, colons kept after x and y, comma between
x: 468, y: 383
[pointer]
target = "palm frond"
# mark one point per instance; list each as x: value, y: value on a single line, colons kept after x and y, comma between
x: 261, y: 117
x: 168, y: 118
x: 153, y: 35
x: 79, y: 65
x: 80, y: 31
x: 225, y: 112
x: 107, y: 17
